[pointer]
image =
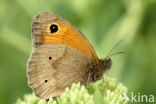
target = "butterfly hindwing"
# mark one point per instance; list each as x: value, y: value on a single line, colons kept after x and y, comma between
x: 53, y: 67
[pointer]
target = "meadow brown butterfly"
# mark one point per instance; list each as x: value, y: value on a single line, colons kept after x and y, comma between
x: 61, y: 55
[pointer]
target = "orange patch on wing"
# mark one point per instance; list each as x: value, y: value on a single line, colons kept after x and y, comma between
x: 70, y: 36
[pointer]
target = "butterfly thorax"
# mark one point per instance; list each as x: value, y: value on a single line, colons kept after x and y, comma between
x: 96, y: 70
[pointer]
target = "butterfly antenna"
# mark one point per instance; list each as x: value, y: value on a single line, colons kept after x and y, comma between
x: 116, y: 53
x: 108, y: 55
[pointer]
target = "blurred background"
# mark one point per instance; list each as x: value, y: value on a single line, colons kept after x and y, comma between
x: 103, y: 22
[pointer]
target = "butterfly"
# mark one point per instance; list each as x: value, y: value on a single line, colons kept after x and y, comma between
x: 61, y: 55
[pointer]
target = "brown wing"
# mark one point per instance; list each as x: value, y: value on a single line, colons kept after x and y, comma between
x: 53, y: 67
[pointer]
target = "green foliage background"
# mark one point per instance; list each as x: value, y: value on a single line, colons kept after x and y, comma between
x: 103, y: 22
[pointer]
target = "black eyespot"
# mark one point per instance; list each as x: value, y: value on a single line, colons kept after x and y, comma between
x: 46, y: 81
x: 53, y: 28
x: 50, y: 58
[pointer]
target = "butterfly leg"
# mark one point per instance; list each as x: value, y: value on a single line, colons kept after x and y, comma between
x: 88, y: 80
x: 104, y: 86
